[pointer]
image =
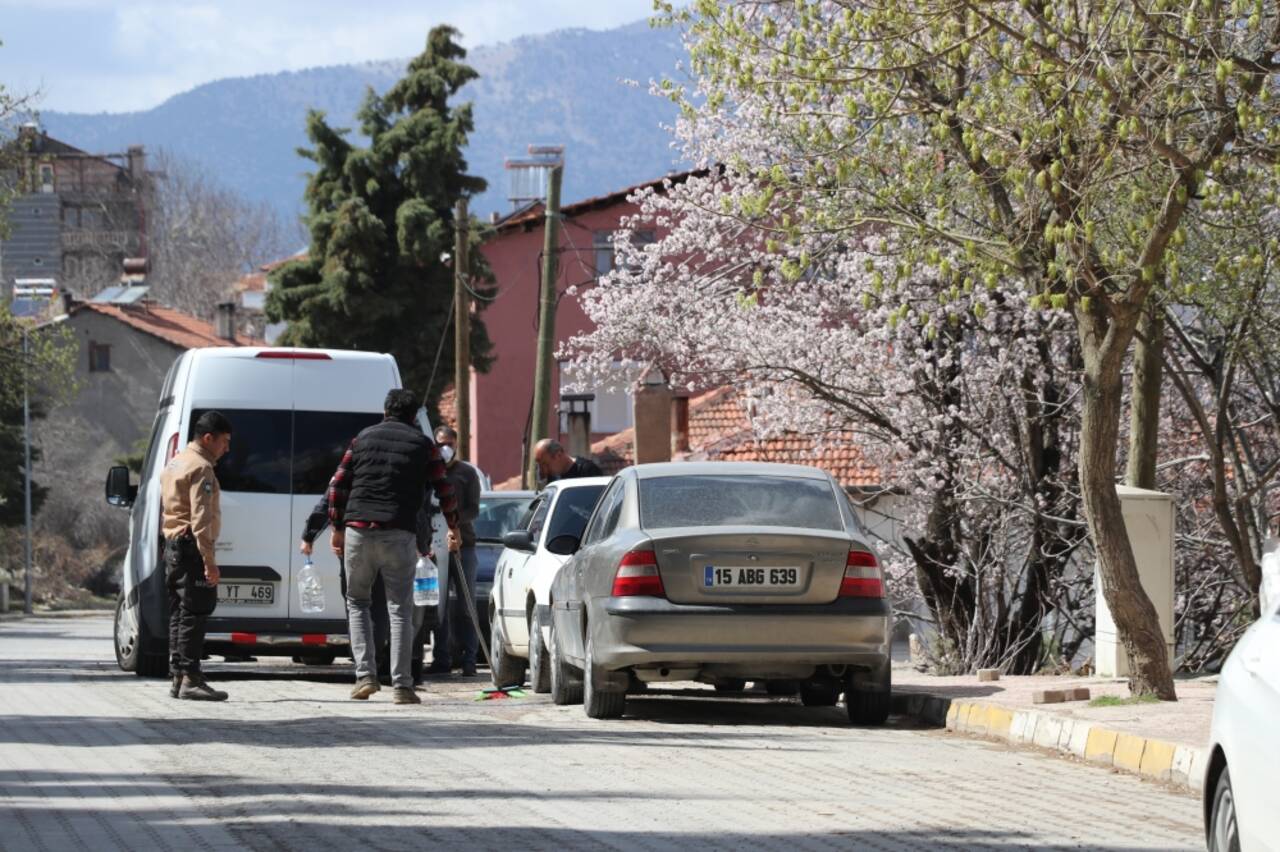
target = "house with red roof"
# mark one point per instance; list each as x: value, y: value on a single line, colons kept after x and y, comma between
x: 124, y: 350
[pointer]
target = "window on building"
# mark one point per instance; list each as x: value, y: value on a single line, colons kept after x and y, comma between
x: 46, y: 177
x: 99, y: 357
x: 611, y: 409
x: 602, y: 244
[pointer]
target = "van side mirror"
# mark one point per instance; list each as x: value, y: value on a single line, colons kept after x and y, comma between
x: 563, y: 545
x: 119, y: 491
x: 519, y: 540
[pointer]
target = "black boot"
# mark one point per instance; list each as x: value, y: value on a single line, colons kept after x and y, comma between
x: 196, y: 688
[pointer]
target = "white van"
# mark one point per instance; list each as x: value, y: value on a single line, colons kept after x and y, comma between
x: 293, y: 413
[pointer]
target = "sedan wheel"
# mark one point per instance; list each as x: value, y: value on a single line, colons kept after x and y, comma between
x: 599, y: 703
x: 505, y: 669
x: 539, y: 661
x: 869, y: 701
x: 566, y: 685
x: 819, y: 694
x: 1224, y: 834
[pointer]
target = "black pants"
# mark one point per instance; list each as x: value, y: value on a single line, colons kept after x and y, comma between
x: 191, y: 600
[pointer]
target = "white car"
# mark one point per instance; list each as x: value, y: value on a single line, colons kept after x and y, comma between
x: 518, y: 615
x: 1240, y: 800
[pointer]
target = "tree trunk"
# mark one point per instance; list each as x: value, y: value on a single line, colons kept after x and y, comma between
x: 1144, y: 412
x: 1103, y: 342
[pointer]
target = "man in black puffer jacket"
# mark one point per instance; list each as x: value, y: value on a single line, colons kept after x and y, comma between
x: 375, y: 502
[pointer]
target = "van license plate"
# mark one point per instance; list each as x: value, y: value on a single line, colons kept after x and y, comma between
x: 743, y: 577
x: 247, y: 593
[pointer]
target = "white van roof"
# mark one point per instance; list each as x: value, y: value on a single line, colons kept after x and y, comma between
x: 303, y: 379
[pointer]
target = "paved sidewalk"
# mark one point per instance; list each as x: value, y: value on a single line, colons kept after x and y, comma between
x: 1165, y: 741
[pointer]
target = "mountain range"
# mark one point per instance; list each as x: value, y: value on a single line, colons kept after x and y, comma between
x: 587, y: 90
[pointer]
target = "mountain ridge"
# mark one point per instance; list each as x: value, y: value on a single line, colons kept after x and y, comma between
x: 563, y: 87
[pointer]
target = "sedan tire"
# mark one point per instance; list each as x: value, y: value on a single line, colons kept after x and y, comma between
x: 566, y: 684
x: 505, y: 670
x: 539, y: 661
x: 600, y: 703
x: 869, y: 703
x: 1224, y: 832
x: 819, y: 694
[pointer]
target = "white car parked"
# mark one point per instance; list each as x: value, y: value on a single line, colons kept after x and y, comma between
x: 518, y: 615
x: 1240, y: 799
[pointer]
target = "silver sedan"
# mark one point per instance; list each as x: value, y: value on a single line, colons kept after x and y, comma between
x: 721, y: 572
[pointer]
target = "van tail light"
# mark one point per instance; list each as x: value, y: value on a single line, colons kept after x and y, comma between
x: 862, y: 576
x: 294, y: 354
x: 173, y: 448
x: 638, y: 575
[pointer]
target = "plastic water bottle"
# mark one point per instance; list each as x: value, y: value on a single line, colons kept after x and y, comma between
x: 426, y: 583
x: 310, y: 590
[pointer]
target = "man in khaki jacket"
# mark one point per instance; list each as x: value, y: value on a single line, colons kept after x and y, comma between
x: 190, y: 525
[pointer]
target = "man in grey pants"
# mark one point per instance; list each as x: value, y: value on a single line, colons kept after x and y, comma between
x: 375, y: 505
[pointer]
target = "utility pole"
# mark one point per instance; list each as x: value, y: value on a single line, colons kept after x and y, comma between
x: 546, y: 321
x: 26, y: 464
x: 462, y: 329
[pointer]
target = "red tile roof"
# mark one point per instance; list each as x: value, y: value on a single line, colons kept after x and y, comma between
x: 256, y: 281
x: 170, y: 325
x: 720, y: 430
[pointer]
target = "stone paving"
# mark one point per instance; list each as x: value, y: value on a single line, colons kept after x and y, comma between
x: 92, y: 758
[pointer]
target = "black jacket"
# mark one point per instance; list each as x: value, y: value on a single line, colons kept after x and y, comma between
x: 383, y: 478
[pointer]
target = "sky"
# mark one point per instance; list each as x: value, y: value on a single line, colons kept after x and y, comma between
x: 97, y: 56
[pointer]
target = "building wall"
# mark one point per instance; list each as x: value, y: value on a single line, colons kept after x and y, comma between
x: 34, y: 246
x: 111, y: 412
x: 502, y: 398
x: 80, y: 216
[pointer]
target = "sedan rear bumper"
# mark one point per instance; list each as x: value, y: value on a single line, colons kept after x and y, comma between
x: 647, y: 632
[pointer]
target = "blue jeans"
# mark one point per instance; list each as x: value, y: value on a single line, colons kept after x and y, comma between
x: 391, y: 554
x: 461, y: 628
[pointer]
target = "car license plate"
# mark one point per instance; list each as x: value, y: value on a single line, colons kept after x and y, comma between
x: 247, y: 593
x: 749, y: 577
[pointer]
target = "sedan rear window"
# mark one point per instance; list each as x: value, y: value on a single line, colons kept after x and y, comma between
x: 741, y: 500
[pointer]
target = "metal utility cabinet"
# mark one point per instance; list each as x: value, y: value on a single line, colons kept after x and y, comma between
x: 1148, y: 517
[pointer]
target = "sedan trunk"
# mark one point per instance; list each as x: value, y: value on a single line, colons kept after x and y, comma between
x: 742, y: 565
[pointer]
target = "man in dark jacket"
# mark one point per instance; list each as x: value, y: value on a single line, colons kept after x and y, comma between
x: 554, y: 463
x: 466, y: 486
x: 375, y: 506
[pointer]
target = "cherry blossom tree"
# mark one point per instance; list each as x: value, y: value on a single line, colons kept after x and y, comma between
x: 1061, y: 146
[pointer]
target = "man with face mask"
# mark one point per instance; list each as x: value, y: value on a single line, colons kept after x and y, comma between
x: 462, y: 546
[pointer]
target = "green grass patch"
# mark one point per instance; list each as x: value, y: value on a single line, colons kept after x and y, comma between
x: 1117, y: 701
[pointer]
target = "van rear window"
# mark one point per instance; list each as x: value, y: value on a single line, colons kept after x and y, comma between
x: 319, y: 440
x: 259, y: 459
x: 282, y: 452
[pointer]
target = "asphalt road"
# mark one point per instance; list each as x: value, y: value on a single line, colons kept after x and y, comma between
x: 93, y: 758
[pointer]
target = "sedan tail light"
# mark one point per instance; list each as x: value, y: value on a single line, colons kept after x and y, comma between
x: 862, y: 575
x: 637, y: 575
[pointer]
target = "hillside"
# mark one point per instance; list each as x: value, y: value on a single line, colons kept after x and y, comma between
x: 564, y: 87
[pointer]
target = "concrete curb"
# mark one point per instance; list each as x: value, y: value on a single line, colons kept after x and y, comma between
x: 1152, y: 758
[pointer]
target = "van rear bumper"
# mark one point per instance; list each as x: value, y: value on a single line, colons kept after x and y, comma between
x: 269, y: 636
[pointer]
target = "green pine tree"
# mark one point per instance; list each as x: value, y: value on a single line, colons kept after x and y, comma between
x: 381, y: 218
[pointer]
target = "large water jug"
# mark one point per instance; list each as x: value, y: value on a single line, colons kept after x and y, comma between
x: 310, y: 590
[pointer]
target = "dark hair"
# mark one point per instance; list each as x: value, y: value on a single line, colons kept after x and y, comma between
x: 448, y: 431
x: 401, y: 404
x: 212, y: 423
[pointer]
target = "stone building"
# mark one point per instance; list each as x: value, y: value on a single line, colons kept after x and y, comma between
x: 75, y: 216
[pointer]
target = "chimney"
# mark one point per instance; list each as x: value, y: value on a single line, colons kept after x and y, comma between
x: 577, y: 408
x: 651, y: 404
x: 680, y: 424
x: 224, y: 323
x: 137, y: 163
